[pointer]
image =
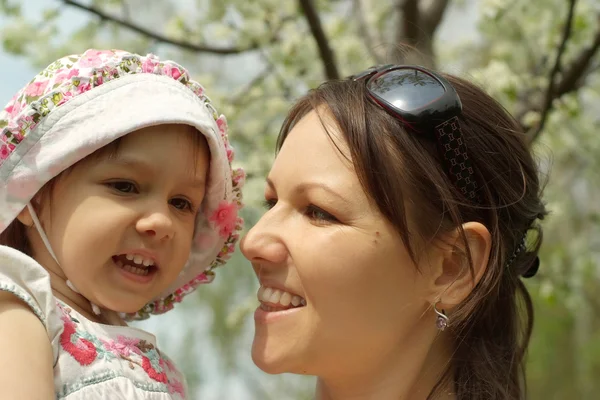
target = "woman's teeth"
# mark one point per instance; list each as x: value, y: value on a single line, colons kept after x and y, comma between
x: 279, y: 297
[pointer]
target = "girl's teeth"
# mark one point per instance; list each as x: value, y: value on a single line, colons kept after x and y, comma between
x: 132, y: 269
x: 139, y: 260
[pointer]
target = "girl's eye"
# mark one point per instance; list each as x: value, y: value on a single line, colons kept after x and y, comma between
x: 318, y: 215
x: 123, y: 186
x: 269, y: 203
x: 182, y: 204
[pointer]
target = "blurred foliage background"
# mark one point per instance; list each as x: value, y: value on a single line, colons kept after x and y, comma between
x: 539, y: 58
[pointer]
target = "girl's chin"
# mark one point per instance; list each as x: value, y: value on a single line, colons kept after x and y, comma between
x: 121, y: 308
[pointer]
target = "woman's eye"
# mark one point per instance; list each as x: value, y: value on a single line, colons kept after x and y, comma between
x: 182, y: 204
x: 316, y: 214
x: 123, y: 186
x: 269, y: 203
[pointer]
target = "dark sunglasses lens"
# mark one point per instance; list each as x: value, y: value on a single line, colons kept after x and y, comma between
x: 407, y: 89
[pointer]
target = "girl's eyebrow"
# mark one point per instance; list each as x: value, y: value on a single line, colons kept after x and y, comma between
x: 142, y: 166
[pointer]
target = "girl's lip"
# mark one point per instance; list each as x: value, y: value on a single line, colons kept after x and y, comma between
x: 135, y: 277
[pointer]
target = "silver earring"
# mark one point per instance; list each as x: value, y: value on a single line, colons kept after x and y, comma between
x: 441, y: 322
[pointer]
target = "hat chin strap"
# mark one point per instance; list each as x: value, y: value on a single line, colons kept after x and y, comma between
x: 42, y: 234
x: 40, y: 230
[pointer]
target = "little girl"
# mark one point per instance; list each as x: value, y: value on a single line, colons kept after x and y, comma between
x: 117, y: 199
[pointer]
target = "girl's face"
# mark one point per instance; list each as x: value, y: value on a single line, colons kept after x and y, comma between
x: 324, y: 244
x: 122, y: 226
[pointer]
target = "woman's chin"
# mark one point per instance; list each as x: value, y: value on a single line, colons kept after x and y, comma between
x: 272, y: 362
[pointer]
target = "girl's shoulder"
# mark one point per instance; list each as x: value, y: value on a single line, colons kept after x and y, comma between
x: 26, y: 279
x: 91, y: 361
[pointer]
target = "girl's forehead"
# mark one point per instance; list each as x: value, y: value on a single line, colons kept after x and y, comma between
x: 141, y: 150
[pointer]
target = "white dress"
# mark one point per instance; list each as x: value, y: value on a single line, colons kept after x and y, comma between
x: 92, y: 361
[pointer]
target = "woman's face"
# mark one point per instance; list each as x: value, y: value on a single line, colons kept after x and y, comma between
x: 338, y: 288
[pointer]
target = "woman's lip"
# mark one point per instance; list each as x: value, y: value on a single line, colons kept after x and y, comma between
x: 277, y: 306
x: 264, y: 317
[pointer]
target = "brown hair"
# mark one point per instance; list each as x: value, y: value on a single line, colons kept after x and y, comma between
x: 492, y: 327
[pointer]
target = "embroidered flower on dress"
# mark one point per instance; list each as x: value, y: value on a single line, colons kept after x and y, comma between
x: 82, y: 350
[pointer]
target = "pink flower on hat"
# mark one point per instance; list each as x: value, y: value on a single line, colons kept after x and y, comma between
x: 230, y: 153
x: 92, y: 58
x: 225, y: 217
x: 83, y: 87
x: 173, y: 72
x: 14, y: 108
x: 149, y: 65
x: 36, y: 88
x: 66, y: 74
x: 5, y: 150
x: 222, y: 124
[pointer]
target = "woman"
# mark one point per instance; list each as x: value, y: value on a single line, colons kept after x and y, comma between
x: 390, y: 259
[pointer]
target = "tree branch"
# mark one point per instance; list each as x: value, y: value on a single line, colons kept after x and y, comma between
x: 574, y: 72
x: 408, y: 30
x: 550, y: 91
x: 314, y: 22
x: 126, y: 10
x: 367, y: 33
x: 414, y: 42
x: 433, y: 14
x: 159, y: 37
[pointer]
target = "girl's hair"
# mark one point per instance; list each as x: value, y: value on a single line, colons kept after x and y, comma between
x: 398, y: 169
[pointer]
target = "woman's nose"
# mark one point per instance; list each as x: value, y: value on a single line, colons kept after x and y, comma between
x: 263, y: 243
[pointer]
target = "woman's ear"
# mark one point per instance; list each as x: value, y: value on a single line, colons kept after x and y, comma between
x: 453, y: 278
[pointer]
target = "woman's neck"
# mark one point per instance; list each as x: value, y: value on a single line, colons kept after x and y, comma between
x: 408, y: 373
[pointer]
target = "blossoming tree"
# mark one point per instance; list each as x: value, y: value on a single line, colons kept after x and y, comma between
x: 538, y: 57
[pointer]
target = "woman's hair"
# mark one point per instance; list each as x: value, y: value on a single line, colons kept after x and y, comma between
x: 399, y: 169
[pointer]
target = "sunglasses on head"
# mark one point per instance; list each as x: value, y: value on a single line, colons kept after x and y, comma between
x: 427, y: 104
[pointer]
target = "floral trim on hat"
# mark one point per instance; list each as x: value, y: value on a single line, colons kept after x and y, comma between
x: 71, y: 76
